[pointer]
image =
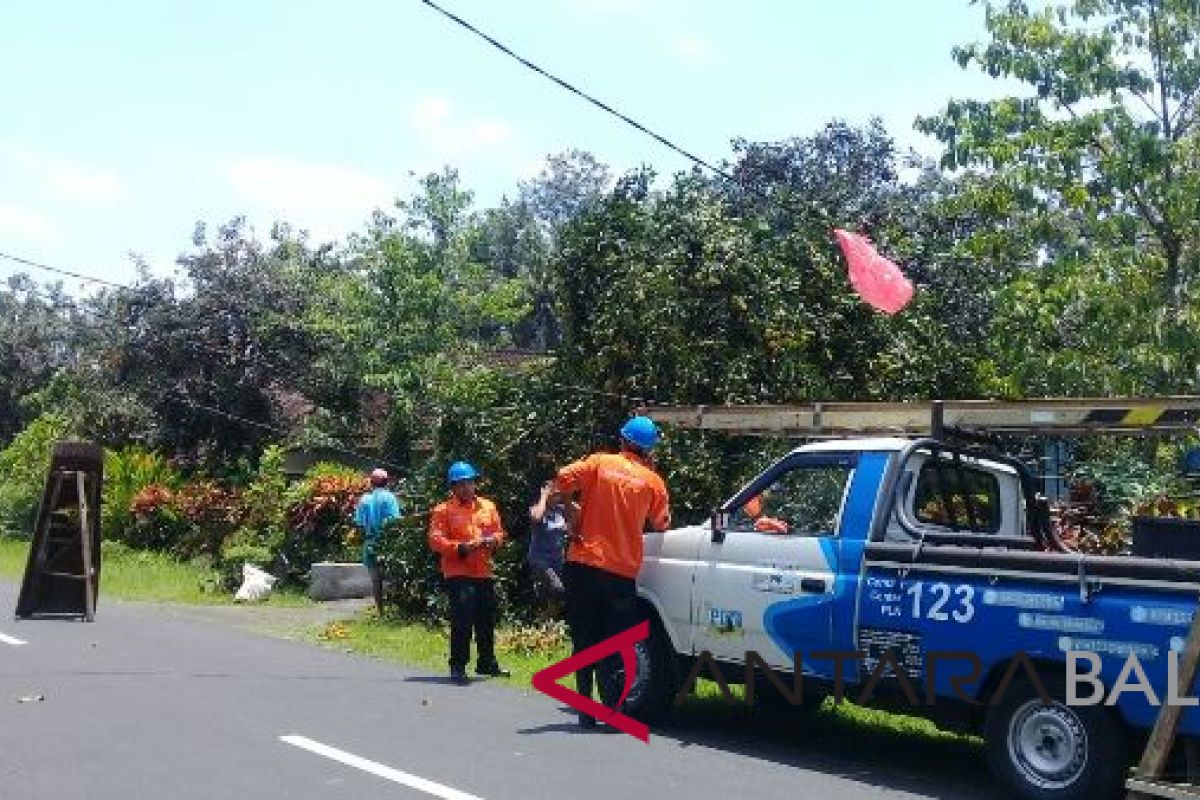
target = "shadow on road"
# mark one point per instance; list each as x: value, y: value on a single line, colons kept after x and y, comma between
x: 907, y: 757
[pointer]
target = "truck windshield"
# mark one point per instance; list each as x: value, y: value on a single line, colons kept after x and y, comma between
x: 804, y: 501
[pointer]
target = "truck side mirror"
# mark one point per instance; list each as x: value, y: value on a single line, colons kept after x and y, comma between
x: 719, y: 521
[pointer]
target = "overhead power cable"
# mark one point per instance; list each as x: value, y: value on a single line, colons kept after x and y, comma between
x: 59, y: 271
x: 791, y: 203
x: 608, y: 108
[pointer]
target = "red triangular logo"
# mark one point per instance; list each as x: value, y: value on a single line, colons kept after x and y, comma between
x: 547, y: 680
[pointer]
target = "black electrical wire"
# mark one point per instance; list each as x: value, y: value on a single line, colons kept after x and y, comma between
x: 603, y: 106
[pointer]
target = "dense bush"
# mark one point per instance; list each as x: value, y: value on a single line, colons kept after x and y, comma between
x: 265, y: 503
x: 411, y: 570
x: 1124, y: 479
x: 213, y: 513
x: 320, y: 517
x: 23, y: 466
x: 264, y: 521
x: 157, y: 521
x: 127, y: 472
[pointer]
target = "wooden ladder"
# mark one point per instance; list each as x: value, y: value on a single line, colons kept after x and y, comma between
x: 1148, y: 780
x: 63, y: 570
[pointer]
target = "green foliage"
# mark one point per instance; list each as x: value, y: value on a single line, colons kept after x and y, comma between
x: 1125, y: 480
x: 413, y: 570
x: 213, y: 513
x: 158, y: 523
x: 1092, y: 176
x: 23, y: 466
x: 126, y: 473
x: 265, y: 503
x: 712, y: 294
x: 37, y: 329
x: 320, y: 517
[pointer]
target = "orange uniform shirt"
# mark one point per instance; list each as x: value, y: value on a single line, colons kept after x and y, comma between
x: 619, y: 495
x: 452, y: 523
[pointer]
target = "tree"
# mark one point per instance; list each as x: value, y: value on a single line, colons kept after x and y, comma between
x: 39, y: 329
x: 221, y: 362
x: 710, y: 292
x: 1092, y: 179
x: 567, y: 186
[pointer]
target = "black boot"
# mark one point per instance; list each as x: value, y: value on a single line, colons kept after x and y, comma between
x: 493, y: 671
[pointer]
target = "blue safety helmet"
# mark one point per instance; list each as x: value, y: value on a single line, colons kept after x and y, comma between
x: 461, y: 471
x: 641, y: 432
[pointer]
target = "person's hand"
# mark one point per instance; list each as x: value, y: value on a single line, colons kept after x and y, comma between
x: 547, y: 490
x: 489, y: 541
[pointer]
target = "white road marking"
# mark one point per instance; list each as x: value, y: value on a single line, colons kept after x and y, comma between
x: 377, y: 769
x: 11, y: 640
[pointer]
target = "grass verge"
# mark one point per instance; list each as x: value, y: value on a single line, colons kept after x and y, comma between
x: 144, y: 576
x: 420, y: 645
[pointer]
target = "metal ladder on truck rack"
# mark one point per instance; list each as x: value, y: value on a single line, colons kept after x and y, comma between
x: 1148, y: 780
x: 63, y: 571
x: 1054, y: 416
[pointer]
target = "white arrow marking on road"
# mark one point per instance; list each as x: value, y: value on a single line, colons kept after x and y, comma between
x: 377, y: 769
x: 11, y: 640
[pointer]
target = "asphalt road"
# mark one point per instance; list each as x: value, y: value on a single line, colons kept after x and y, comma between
x: 150, y: 703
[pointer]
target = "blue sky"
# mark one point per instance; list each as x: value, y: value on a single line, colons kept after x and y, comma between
x: 126, y: 121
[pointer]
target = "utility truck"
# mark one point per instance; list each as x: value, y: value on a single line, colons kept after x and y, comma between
x: 922, y: 570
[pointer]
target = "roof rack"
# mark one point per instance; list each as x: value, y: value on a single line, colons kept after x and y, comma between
x: 1045, y: 416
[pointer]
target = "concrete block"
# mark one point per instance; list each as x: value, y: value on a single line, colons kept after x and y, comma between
x: 333, y: 581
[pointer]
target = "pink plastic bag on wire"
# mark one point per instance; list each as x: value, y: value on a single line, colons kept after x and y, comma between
x: 878, y: 281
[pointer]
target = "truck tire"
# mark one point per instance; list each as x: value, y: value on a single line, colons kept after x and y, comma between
x: 1055, y: 751
x: 656, y: 683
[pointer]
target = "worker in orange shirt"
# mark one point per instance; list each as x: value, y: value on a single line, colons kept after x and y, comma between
x: 619, y: 495
x: 466, y: 531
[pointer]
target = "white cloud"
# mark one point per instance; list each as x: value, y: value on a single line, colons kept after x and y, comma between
x: 447, y: 134
x: 692, y: 49
x: 431, y: 111
x: 24, y: 222
x: 63, y: 178
x: 328, y: 200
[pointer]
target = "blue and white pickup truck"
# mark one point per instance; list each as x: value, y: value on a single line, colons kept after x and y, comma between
x: 918, y: 548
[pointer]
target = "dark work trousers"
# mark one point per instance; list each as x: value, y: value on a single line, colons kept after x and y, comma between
x: 599, y: 605
x: 472, y: 608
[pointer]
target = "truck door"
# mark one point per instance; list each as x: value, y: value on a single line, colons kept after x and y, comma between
x: 778, y: 546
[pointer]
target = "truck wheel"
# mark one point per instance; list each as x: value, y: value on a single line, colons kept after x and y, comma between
x: 656, y: 683
x: 1054, y: 751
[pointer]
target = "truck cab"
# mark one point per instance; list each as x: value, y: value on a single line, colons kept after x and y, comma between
x: 765, y: 573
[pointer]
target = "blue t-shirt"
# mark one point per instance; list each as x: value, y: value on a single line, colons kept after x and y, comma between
x: 547, y: 540
x: 373, y: 512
